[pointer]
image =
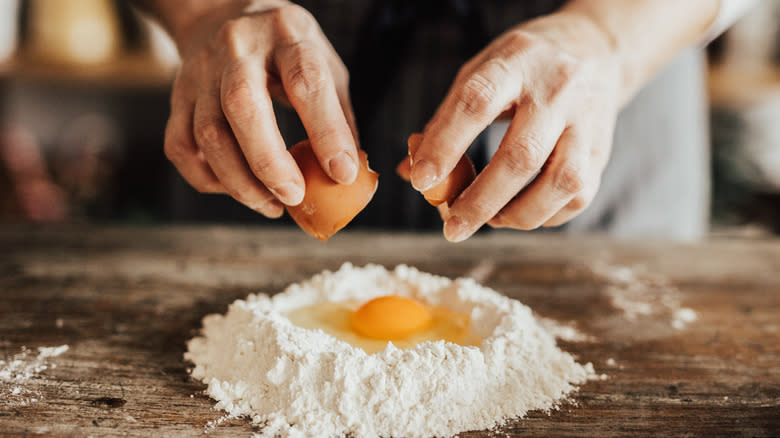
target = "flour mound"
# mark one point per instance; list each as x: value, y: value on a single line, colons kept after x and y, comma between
x: 299, y: 382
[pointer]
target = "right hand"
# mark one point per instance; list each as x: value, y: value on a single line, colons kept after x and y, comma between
x: 222, y: 134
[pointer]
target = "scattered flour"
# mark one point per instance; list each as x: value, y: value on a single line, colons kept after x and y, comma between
x: 298, y: 382
x: 682, y: 317
x: 640, y: 294
x: 17, y: 372
x: 564, y: 332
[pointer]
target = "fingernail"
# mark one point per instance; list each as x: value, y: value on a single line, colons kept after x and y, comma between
x: 456, y: 230
x: 343, y: 168
x: 289, y: 193
x: 424, y: 175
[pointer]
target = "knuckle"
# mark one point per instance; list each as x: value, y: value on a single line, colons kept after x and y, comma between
x: 525, y: 155
x: 566, y: 75
x: 477, y: 95
x: 570, y: 179
x: 306, y: 77
x: 201, y: 62
x: 174, y: 151
x: 229, y: 31
x: 231, y: 36
x: 209, y: 133
x: 261, y: 166
x: 290, y: 19
x: 519, y: 40
x: 182, y: 87
x: 238, y: 100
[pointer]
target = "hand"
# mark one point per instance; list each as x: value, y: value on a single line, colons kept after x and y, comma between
x: 558, y: 80
x: 222, y: 134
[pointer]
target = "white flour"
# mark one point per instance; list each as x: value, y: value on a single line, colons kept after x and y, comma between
x: 564, y: 332
x: 637, y: 293
x: 299, y: 382
x: 17, y: 371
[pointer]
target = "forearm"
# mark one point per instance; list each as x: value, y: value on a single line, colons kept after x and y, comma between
x: 644, y: 35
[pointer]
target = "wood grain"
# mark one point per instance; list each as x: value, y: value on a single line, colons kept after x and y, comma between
x: 128, y: 298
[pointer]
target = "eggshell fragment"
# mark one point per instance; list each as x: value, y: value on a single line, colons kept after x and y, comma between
x: 452, y: 185
x: 328, y: 206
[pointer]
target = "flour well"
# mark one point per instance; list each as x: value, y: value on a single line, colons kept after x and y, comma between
x: 301, y: 382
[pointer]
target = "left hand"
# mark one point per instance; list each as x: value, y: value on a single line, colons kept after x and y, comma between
x: 558, y: 79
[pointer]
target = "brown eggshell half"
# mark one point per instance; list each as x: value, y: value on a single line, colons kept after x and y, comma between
x: 453, y: 185
x: 328, y: 206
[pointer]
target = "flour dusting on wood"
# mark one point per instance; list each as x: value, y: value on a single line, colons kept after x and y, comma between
x: 19, y: 372
x: 639, y: 294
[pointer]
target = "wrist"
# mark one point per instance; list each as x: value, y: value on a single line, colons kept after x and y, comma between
x: 597, y: 39
x: 579, y: 35
x: 646, y: 34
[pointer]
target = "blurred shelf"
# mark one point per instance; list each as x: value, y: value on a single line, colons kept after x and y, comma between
x: 735, y: 87
x: 127, y: 71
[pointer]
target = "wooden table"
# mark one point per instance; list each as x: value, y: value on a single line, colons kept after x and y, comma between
x: 126, y: 299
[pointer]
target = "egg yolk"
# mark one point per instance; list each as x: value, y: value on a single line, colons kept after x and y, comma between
x: 390, y: 317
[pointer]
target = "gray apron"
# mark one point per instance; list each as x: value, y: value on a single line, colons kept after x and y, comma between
x: 402, y: 57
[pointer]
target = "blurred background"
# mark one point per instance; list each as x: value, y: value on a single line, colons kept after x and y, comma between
x: 84, y: 87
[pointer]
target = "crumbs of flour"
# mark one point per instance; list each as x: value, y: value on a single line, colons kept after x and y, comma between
x: 293, y: 381
x: 17, y: 372
x: 638, y: 293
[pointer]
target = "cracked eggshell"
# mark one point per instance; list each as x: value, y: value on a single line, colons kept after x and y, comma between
x: 328, y: 206
x: 453, y: 184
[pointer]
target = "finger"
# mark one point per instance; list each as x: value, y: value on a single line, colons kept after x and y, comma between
x: 523, y: 150
x: 404, y: 169
x: 349, y: 113
x: 249, y: 111
x: 180, y: 147
x: 213, y: 136
x: 561, y: 180
x: 577, y: 204
x: 598, y: 161
x: 473, y: 102
x: 341, y: 80
x: 309, y: 85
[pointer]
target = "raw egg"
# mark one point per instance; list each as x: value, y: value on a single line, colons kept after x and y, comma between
x: 390, y: 317
x: 328, y: 206
x: 403, y: 321
x: 453, y: 184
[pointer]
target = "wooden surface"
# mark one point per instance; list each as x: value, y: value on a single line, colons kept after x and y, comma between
x: 126, y: 299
